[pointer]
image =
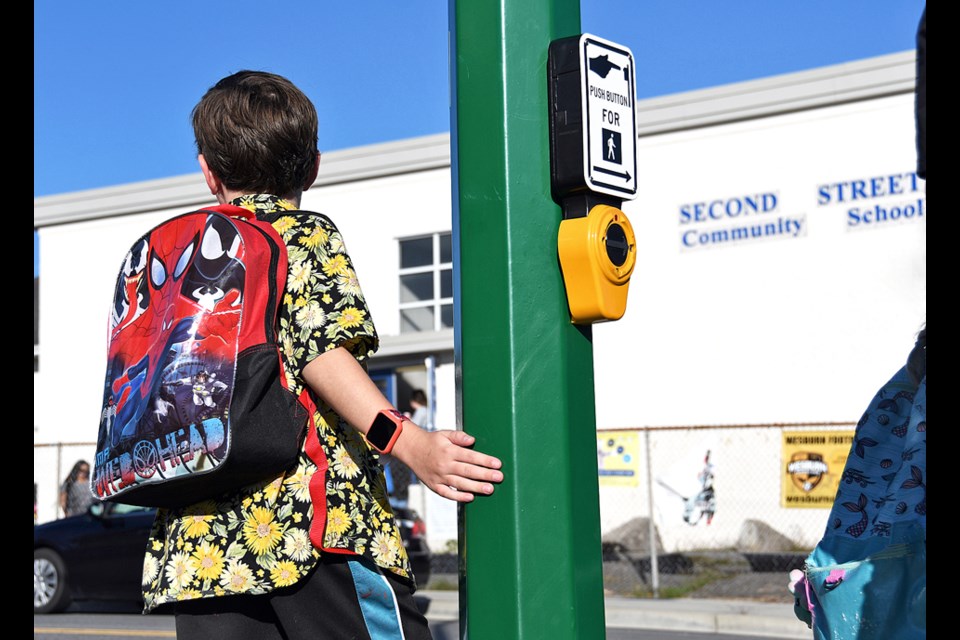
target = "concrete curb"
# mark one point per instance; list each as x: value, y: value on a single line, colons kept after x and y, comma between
x: 738, y: 617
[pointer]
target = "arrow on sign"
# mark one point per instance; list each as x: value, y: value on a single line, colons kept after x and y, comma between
x: 625, y: 175
x: 601, y: 65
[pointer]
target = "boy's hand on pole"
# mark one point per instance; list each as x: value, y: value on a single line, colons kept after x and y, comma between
x: 444, y: 461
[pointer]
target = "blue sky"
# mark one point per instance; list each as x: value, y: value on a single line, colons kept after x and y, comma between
x: 114, y: 81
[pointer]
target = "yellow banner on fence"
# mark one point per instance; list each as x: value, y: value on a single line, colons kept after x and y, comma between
x: 812, y: 465
x: 618, y: 458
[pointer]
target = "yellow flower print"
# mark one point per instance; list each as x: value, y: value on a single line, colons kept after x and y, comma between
x: 299, y: 276
x: 284, y: 573
x: 247, y: 502
x: 380, y: 503
x: 327, y: 298
x: 179, y: 571
x: 297, y: 545
x: 271, y: 491
x: 204, y: 508
x: 311, y: 316
x: 237, y: 577
x: 197, y: 526
x: 348, y: 284
x: 299, y: 485
x: 208, y: 561
x: 350, y: 317
x: 315, y: 238
x: 260, y: 532
x: 343, y: 463
x: 287, y: 347
x: 284, y: 224
x: 338, y: 521
x: 384, y: 548
x: 151, y: 567
x: 189, y: 594
x: 286, y: 205
x: 297, y: 517
x: 247, y: 202
x: 157, y: 545
x: 335, y: 265
x: 301, y: 302
x: 287, y: 299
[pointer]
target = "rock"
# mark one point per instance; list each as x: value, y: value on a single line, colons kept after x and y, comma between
x: 759, y: 537
x: 633, y: 536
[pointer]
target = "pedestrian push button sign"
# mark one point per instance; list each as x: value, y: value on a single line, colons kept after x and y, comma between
x: 608, y: 100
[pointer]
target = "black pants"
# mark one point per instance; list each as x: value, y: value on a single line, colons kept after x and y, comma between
x: 343, y: 598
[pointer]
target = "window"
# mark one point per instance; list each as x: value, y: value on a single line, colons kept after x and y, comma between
x: 426, y: 283
x: 386, y: 381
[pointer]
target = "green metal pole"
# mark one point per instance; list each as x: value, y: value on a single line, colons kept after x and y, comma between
x: 530, y: 563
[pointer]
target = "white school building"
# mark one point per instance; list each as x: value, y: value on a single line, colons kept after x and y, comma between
x: 780, y: 280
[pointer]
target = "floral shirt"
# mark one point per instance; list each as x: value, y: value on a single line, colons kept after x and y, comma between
x: 258, y: 539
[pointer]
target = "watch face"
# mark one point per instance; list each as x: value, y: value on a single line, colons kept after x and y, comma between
x: 381, y: 431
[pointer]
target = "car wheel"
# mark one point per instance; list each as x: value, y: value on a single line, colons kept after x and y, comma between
x: 50, y: 591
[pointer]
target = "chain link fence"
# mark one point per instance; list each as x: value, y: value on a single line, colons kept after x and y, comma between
x: 706, y: 511
x: 715, y: 511
x: 702, y: 511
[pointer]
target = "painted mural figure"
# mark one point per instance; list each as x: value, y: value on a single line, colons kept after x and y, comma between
x: 702, y: 504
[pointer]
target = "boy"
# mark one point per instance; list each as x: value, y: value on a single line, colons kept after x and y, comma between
x: 315, y: 553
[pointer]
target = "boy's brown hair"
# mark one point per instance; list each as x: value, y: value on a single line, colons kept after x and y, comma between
x: 258, y: 133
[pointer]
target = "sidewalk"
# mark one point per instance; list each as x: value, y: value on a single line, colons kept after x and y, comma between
x: 738, y: 617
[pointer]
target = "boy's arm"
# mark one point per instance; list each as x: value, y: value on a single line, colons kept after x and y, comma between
x: 442, y: 460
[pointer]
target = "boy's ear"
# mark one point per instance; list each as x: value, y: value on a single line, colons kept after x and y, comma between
x: 213, y: 182
x: 312, y: 176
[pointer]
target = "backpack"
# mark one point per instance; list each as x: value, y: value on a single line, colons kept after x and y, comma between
x: 195, y: 400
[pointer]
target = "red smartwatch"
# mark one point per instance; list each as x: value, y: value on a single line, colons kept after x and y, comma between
x: 385, y: 430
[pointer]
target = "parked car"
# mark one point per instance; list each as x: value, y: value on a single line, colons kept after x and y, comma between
x: 94, y: 556
x: 98, y: 556
x: 413, y: 530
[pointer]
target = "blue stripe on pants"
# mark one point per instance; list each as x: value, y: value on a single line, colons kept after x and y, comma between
x: 377, y: 602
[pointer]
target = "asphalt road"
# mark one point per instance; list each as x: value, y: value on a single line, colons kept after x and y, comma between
x: 133, y: 626
x: 627, y: 619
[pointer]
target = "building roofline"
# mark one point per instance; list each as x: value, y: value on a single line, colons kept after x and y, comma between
x: 871, y: 78
x: 825, y: 86
x: 337, y: 167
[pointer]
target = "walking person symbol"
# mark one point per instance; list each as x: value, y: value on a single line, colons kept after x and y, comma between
x: 614, y: 152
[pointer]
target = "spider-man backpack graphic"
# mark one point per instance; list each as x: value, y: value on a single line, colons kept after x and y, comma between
x: 195, y: 398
